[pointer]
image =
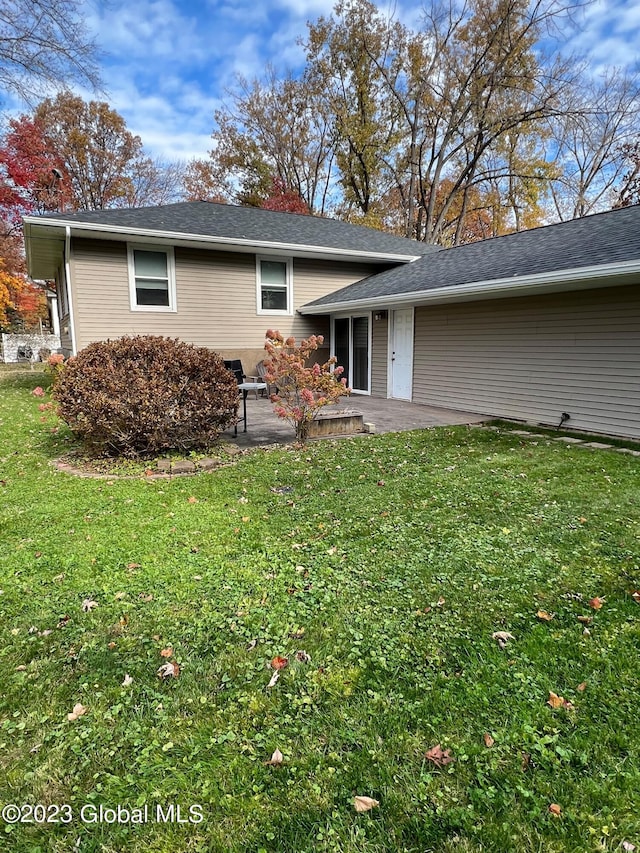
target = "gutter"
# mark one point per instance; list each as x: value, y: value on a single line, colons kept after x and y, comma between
x: 67, y: 277
x: 235, y: 242
x: 556, y: 280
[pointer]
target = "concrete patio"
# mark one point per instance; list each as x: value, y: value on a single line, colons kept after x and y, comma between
x: 264, y: 427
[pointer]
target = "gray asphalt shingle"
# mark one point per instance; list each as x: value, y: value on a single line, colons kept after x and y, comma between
x: 603, y: 238
x: 250, y: 223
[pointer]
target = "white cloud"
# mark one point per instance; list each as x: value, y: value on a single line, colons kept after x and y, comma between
x: 170, y: 62
x: 608, y: 33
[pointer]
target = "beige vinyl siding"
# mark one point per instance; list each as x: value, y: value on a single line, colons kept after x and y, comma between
x: 379, y: 354
x: 534, y: 358
x: 215, y: 295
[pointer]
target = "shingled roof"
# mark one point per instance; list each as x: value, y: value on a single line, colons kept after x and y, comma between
x: 606, y: 240
x: 249, y: 225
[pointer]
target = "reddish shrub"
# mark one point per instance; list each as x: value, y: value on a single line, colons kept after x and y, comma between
x: 142, y: 395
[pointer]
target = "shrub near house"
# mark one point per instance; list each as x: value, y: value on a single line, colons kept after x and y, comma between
x: 144, y: 395
x: 302, y: 388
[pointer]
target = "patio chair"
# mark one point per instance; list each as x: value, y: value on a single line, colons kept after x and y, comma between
x: 235, y: 366
x: 261, y: 371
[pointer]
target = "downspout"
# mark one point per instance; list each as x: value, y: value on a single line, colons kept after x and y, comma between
x: 67, y: 276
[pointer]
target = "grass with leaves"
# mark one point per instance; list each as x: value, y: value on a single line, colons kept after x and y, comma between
x: 390, y: 562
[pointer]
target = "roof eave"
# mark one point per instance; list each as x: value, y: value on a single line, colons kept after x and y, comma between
x: 236, y: 244
x: 577, y: 278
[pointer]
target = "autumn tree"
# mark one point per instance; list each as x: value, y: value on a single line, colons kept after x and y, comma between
x: 274, y: 128
x: 30, y: 180
x: 202, y: 181
x: 44, y: 44
x: 97, y: 150
x: 353, y: 58
x: 589, y: 142
x: 77, y: 155
x: 5, y: 297
x: 628, y: 191
x: 283, y: 199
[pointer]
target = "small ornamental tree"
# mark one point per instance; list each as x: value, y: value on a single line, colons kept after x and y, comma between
x: 143, y: 395
x: 302, y: 388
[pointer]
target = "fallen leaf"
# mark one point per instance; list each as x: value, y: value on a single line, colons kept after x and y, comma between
x: 246, y: 519
x: 636, y: 597
x: 502, y: 638
x: 544, y: 616
x: 596, y: 602
x: 364, y: 804
x: 133, y: 565
x: 581, y: 687
x: 128, y: 681
x: 586, y: 633
x: 78, y: 711
x: 251, y: 646
x: 146, y: 597
x: 556, y: 701
x: 88, y: 605
x: 440, y: 602
x: 119, y: 596
x: 488, y: 740
x: 276, y: 759
x: 274, y: 678
x: 555, y: 809
x: 166, y: 653
x: 303, y: 657
x: 20, y: 668
x: 111, y: 645
x: 279, y: 662
x: 586, y: 620
x: 192, y: 500
x: 439, y: 756
x: 168, y: 670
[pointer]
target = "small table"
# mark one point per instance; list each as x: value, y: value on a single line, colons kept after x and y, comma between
x: 245, y: 387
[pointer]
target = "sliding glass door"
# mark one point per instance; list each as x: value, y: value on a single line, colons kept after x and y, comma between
x: 351, y: 347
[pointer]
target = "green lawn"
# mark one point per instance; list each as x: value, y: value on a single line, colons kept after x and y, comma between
x: 390, y: 560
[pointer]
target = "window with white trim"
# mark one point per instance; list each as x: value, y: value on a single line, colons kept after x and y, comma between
x: 275, y: 285
x: 152, y: 280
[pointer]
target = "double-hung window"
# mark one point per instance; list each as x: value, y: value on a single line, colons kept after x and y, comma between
x: 152, y: 280
x: 275, y: 288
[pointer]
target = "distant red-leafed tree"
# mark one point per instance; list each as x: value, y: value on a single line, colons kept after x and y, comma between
x: 32, y: 178
x: 283, y: 199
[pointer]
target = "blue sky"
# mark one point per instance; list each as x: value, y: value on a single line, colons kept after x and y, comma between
x: 168, y: 63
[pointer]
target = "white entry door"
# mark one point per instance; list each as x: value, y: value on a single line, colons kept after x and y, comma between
x: 402, y: 354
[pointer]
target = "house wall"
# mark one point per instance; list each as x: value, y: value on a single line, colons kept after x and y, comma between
x: 216, y: 299
x: 533, y: 358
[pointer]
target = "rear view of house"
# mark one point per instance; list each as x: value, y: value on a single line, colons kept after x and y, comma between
x: 528, y: 326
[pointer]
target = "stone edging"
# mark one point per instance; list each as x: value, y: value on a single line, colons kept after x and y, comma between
x: 566, y: 439
x: 165, y: 469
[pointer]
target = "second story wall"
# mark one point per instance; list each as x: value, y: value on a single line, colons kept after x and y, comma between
x: 216, y: 298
